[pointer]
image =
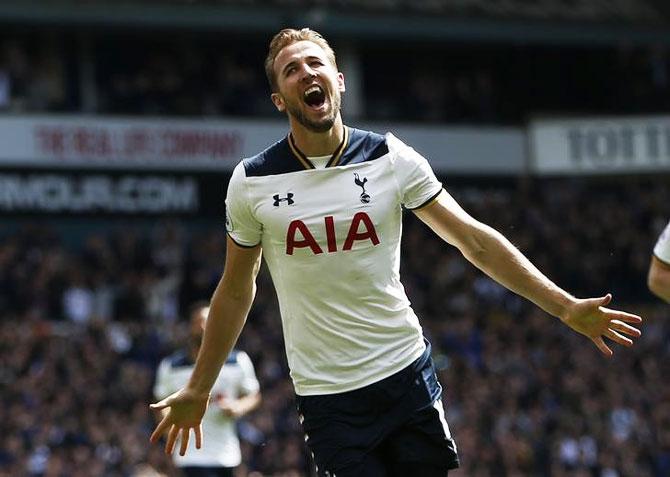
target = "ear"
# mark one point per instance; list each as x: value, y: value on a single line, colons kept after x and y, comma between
x: 278, y: 101
x: 340, y: 82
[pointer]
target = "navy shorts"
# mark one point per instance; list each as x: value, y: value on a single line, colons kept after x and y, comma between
x: 395, y: 427
x: 192, y: 471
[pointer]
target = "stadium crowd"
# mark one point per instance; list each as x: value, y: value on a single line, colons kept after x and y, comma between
x: 200, y: 75
x: 86, y: 318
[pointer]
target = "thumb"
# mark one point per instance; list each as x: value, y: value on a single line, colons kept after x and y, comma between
x: 160, y: 404
x: 591, y: 305
x: 605, y: 300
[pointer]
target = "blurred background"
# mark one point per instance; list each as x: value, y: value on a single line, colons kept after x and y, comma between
x: 120, y: 122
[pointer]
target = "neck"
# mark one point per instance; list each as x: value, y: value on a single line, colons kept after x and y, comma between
x: 315, y: 143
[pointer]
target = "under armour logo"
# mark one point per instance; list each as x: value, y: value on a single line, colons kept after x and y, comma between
x: 365, y: 198
x: 288, y: 199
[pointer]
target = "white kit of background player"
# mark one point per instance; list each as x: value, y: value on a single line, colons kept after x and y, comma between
x: 662, y: 247
x: 236, y: 379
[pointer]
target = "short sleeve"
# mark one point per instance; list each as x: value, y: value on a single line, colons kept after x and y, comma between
x: 241, y: 224
x: 662, y: 248
x: 416, y: 179
x: 249, y: 383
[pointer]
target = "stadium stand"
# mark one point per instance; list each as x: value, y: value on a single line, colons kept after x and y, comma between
x: 193, y: 76
x: 645, y: 11
x: 84, y: 325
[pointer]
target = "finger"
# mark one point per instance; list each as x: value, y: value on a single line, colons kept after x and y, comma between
x: 160, y: 429
x: 618, y: 338
x: 606, y: 299
x: 184, y: 440
x: 622, y: 315
x: 172, y: 437
x: 624, y: 328
x: 604, y: 349
x: 198, y: 436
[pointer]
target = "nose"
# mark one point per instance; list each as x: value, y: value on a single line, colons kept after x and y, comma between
x: 308, y: 73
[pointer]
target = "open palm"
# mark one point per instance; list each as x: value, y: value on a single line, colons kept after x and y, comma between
x: 185, y: 410
x: 590, y: 318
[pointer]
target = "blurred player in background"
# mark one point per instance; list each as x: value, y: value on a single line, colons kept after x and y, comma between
x: 324, y: 204
x: 659, y: 269
x: 235, y: 392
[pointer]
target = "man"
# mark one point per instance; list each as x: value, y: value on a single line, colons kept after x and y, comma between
x: 325, y: 205
x: 234, y: 393
x: 658, y: 279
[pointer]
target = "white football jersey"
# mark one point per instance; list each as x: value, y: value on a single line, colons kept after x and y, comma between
x: 331, y: 240
x: 220, y: 445
x: 662, y: 248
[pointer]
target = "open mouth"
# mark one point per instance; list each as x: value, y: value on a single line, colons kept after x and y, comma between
x: 314, y: 96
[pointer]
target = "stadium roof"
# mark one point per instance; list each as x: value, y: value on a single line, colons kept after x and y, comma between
x: 527, y: 21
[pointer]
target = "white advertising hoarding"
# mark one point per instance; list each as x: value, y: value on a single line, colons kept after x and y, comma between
x: 80, y: 141
x: 59, y: 192
x: 615, y: 145
x: 136, y: 143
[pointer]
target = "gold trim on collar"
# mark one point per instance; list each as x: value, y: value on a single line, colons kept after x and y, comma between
x: 306, y: 163
x: 337, y: 155
x: 334, y: 159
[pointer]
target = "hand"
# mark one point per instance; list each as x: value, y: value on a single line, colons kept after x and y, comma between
x: 590, y: 318
x: 229, y: 407
x: 184, y: 412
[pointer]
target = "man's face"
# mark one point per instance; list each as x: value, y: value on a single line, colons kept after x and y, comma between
x: 310, y: 87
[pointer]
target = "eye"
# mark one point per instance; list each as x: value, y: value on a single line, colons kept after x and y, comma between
x: 316, y: 63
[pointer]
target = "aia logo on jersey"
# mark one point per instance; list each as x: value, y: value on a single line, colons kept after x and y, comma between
x: 279, y: 199
x: 361, y: 228
x: 365, y: 197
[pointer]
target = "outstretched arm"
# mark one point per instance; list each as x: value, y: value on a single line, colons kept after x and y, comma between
x: 658, y: 279
x: 492, y: 253
x: 228, y: 311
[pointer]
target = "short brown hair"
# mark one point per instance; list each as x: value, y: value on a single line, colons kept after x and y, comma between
x: 197, y: 306
x: 287, y: 37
